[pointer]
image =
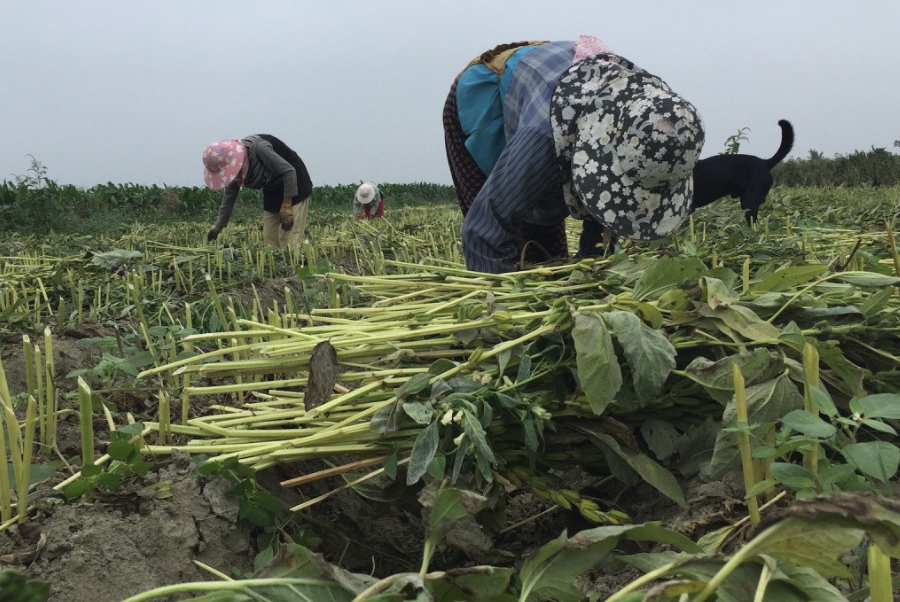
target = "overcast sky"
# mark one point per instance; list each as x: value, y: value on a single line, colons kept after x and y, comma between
x: 133, y: 91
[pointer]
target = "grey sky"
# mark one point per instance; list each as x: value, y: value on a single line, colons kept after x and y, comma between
x: 133, y: 91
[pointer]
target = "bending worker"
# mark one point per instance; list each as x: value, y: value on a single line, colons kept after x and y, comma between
x: 368, y: 202
x: 571, y: 129
x: 261, y: 161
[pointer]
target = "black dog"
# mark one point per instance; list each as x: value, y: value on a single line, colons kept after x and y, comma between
x: 743, y: 176
x: 740, y: 176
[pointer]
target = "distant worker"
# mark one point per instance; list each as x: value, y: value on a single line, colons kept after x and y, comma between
x: 539, y: 131
x: 368, y: 202
x: 261, y: 161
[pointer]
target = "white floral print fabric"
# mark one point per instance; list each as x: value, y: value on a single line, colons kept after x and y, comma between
x: 626, y: 145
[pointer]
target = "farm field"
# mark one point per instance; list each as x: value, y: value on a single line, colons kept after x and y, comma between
x: 370, y: 421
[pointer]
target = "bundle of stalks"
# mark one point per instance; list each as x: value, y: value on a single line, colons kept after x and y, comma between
x: 463, y: 374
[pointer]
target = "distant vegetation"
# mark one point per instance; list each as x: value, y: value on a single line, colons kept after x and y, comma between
x: 34, y: 203
x: 877, y: 167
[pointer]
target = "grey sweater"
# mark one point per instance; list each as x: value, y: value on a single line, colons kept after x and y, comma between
x: 266, y: 166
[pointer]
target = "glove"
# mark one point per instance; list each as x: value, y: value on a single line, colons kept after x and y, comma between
x: 287, y: 216
x: 213, y: 234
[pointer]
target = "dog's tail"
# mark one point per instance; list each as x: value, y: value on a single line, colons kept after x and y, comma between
x: 787, y: 142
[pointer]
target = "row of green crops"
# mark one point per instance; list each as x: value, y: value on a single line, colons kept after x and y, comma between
x: 772, y: 349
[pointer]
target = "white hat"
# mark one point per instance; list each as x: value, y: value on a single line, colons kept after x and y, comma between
x: 365, y: 194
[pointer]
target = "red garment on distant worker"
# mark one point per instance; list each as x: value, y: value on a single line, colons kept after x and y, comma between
x: 374, y: 209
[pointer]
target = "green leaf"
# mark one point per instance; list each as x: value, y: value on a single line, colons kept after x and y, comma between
x: 423, y: 451
x: 877, y: 302
x: 881, y: 405
x: 831, y: 355
x: 437, y: 466
x: 120, y: 450
x: 787, y: 278
x: 823, y: 402
x: 877, y: 459
x: 649, y: 353
x: 718, y: 377
x: 650, y: 471
x: 808, y: 424
x: 135, y: 428
x: 811, y: 544
x: 792, y: 475
x: 487, y: 583
x: 867, y: 279
x: 550, y: 573
x: 476, y: 433
x: 76, y: 488
x: 598, y: 367
x: 743, y: 321
x: 36, y: 473
x: 141, y: 359
x: 717, y: 294
x: 766, y: 403
x: 390, y: 465
x: 664, y: 273
x: 420, y: 411
x: 91, y: 470
x: 416, y: 384
x: 809, y: 582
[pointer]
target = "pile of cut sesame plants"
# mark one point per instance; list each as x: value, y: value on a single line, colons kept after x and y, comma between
x: 386, y: 371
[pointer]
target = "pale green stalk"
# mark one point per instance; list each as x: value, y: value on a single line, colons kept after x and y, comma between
x: 51, y: 397
x: 165, y: 413
x: 23, y: 480
x: 242, y: 587
x: 145, y: 329
x: 43, y: 417
x: 811, y: 379
x: 5, y: 497
x: 740, y: 399
x: 345, y: 398
x: 86, y: 417
x: 880, y: 587
x: 29, y: 365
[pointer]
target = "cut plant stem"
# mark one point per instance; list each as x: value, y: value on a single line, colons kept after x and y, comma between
x: 86, y: 417
x: 740, y: 401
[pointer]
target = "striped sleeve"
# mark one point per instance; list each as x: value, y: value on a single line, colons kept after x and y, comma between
x: 525, y: 177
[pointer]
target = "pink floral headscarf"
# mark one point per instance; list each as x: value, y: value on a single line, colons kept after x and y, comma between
x: 589, y: 45
x: 222, y: 161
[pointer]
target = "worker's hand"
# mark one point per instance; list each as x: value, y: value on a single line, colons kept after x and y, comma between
x: 287, y: 216
x: 213, y: 234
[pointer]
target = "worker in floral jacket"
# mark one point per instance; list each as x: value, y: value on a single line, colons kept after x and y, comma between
x: 539, y: 131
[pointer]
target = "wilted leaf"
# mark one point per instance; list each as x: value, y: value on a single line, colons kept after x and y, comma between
x: 787, y: 278
x: 423, y: 451
x: 650, y: 471
x: 114, y: 259
x: 649, y: 353
x: 664, y: 273
x: 766, y: 403
x: 598, y: 367
x: 718, y: 377
x: 741, y: 320
x: 867, y: 279
x: 323, y: 371
x: 420, y: 411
